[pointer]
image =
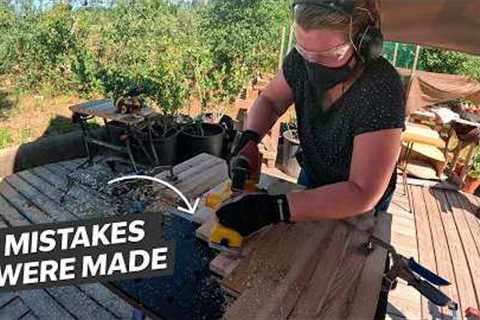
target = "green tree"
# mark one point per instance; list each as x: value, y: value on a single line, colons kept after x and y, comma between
x: 442, y: 61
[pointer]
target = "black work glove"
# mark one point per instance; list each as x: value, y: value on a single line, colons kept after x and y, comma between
x: 251, y: 212
x: 248, y: 136
x: 245, y: 158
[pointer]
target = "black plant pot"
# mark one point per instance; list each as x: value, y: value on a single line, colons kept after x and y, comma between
x: 191, y: 144
x: 165, y: 148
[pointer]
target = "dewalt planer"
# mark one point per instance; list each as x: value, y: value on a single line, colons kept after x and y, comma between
x: 245, y: 177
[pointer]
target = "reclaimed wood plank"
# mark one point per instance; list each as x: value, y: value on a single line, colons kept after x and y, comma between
x: 313, y: 298
x: 40, y: 200
x: 472, y: 260
x: 13, y: 310
x: 29, y: 316
x: 24, y: 206
x: 6, y: 297
x: 370, y: 281
x: 345, y: 282
x: 270, y: 274
x: 107, y: 299
x: 440, y: 245
x: 79, y: 304
x: 79, y: 200
x: 43, y: 305
x: 246, y: 273
x: 39, y: 216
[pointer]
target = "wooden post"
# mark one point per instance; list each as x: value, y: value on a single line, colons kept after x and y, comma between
x: 282, y: 48
x: 395, y: 55
x: 290, y: 38
x: 412, y: 75
x: 415, y: 61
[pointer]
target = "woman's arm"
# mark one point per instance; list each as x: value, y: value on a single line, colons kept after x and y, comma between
x: 374, y: 157
x: 270, y: 105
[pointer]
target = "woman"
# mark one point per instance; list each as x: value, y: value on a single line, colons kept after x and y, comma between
x: 350, y: 109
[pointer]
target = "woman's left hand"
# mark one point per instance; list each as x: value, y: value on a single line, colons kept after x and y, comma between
x: 251, y: 212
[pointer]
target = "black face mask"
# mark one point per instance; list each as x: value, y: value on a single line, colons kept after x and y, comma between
x: 323, y: 78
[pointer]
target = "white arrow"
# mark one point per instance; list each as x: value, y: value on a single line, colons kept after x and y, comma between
x: 190, y: 208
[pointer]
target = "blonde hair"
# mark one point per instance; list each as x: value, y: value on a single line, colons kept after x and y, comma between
x: 311, y: 17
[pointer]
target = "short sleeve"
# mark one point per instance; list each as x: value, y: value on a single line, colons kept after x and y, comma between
x: 293, y: 69
x: 384, y: 104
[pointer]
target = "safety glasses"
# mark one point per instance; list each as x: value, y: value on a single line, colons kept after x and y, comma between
x: 325, y: 57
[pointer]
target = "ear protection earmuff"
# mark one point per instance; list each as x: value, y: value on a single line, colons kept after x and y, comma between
x: 369, y: 42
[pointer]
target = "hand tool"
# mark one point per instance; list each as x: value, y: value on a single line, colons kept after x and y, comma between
x: 245, y: 178
x: 416, y: 275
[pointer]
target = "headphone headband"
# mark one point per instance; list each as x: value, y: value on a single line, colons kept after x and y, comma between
x: 343, y: 6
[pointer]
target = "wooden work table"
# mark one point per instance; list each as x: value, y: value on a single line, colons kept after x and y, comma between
x: 296, y: 271
x: 303, y: 270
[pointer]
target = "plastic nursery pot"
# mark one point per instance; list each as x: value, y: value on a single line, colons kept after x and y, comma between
x: 470, y: 185
x: 290, y: 146
x: 194, y: 139
x: 165, y: 147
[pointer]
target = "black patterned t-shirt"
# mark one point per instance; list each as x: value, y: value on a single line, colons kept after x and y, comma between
x: 375, y: 101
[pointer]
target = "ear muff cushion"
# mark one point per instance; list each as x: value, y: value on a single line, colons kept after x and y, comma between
x: 369, y: 43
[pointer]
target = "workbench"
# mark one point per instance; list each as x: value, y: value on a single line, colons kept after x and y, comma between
x: 295, y: 271
x: 129, y: 125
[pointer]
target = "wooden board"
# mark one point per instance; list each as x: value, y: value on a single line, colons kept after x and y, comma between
x: 440, y: 244
x: 460, y: 265
x: 424, y: 240
x: 307, y: 271
x: 468, y: 244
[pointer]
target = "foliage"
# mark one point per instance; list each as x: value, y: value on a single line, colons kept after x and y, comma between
x: 474, y: 171
x: 441, y: 61
x: 243, y: 38
x: 5, y: 138
x: 175, y: 51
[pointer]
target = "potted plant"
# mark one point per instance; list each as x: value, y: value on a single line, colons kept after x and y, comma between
x: 204, y: 134
x: 472, y: 180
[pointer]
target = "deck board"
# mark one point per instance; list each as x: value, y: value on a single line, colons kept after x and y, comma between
x: 440, y: 245
x: 425, y: 252
x: 460, y: 266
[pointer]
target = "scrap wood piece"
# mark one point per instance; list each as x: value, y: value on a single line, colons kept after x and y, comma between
x: 260, y: 274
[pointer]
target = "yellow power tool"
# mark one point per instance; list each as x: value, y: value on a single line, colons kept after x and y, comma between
x: 243, y: 180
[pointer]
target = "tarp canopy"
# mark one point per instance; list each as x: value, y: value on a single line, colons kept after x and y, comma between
x: 427, y: 88
x: 446, y: 24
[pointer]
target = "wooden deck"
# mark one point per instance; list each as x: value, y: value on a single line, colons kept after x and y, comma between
x: 439, y: 228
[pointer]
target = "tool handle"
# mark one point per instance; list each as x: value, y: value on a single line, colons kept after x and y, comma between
x: 430, y: 292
